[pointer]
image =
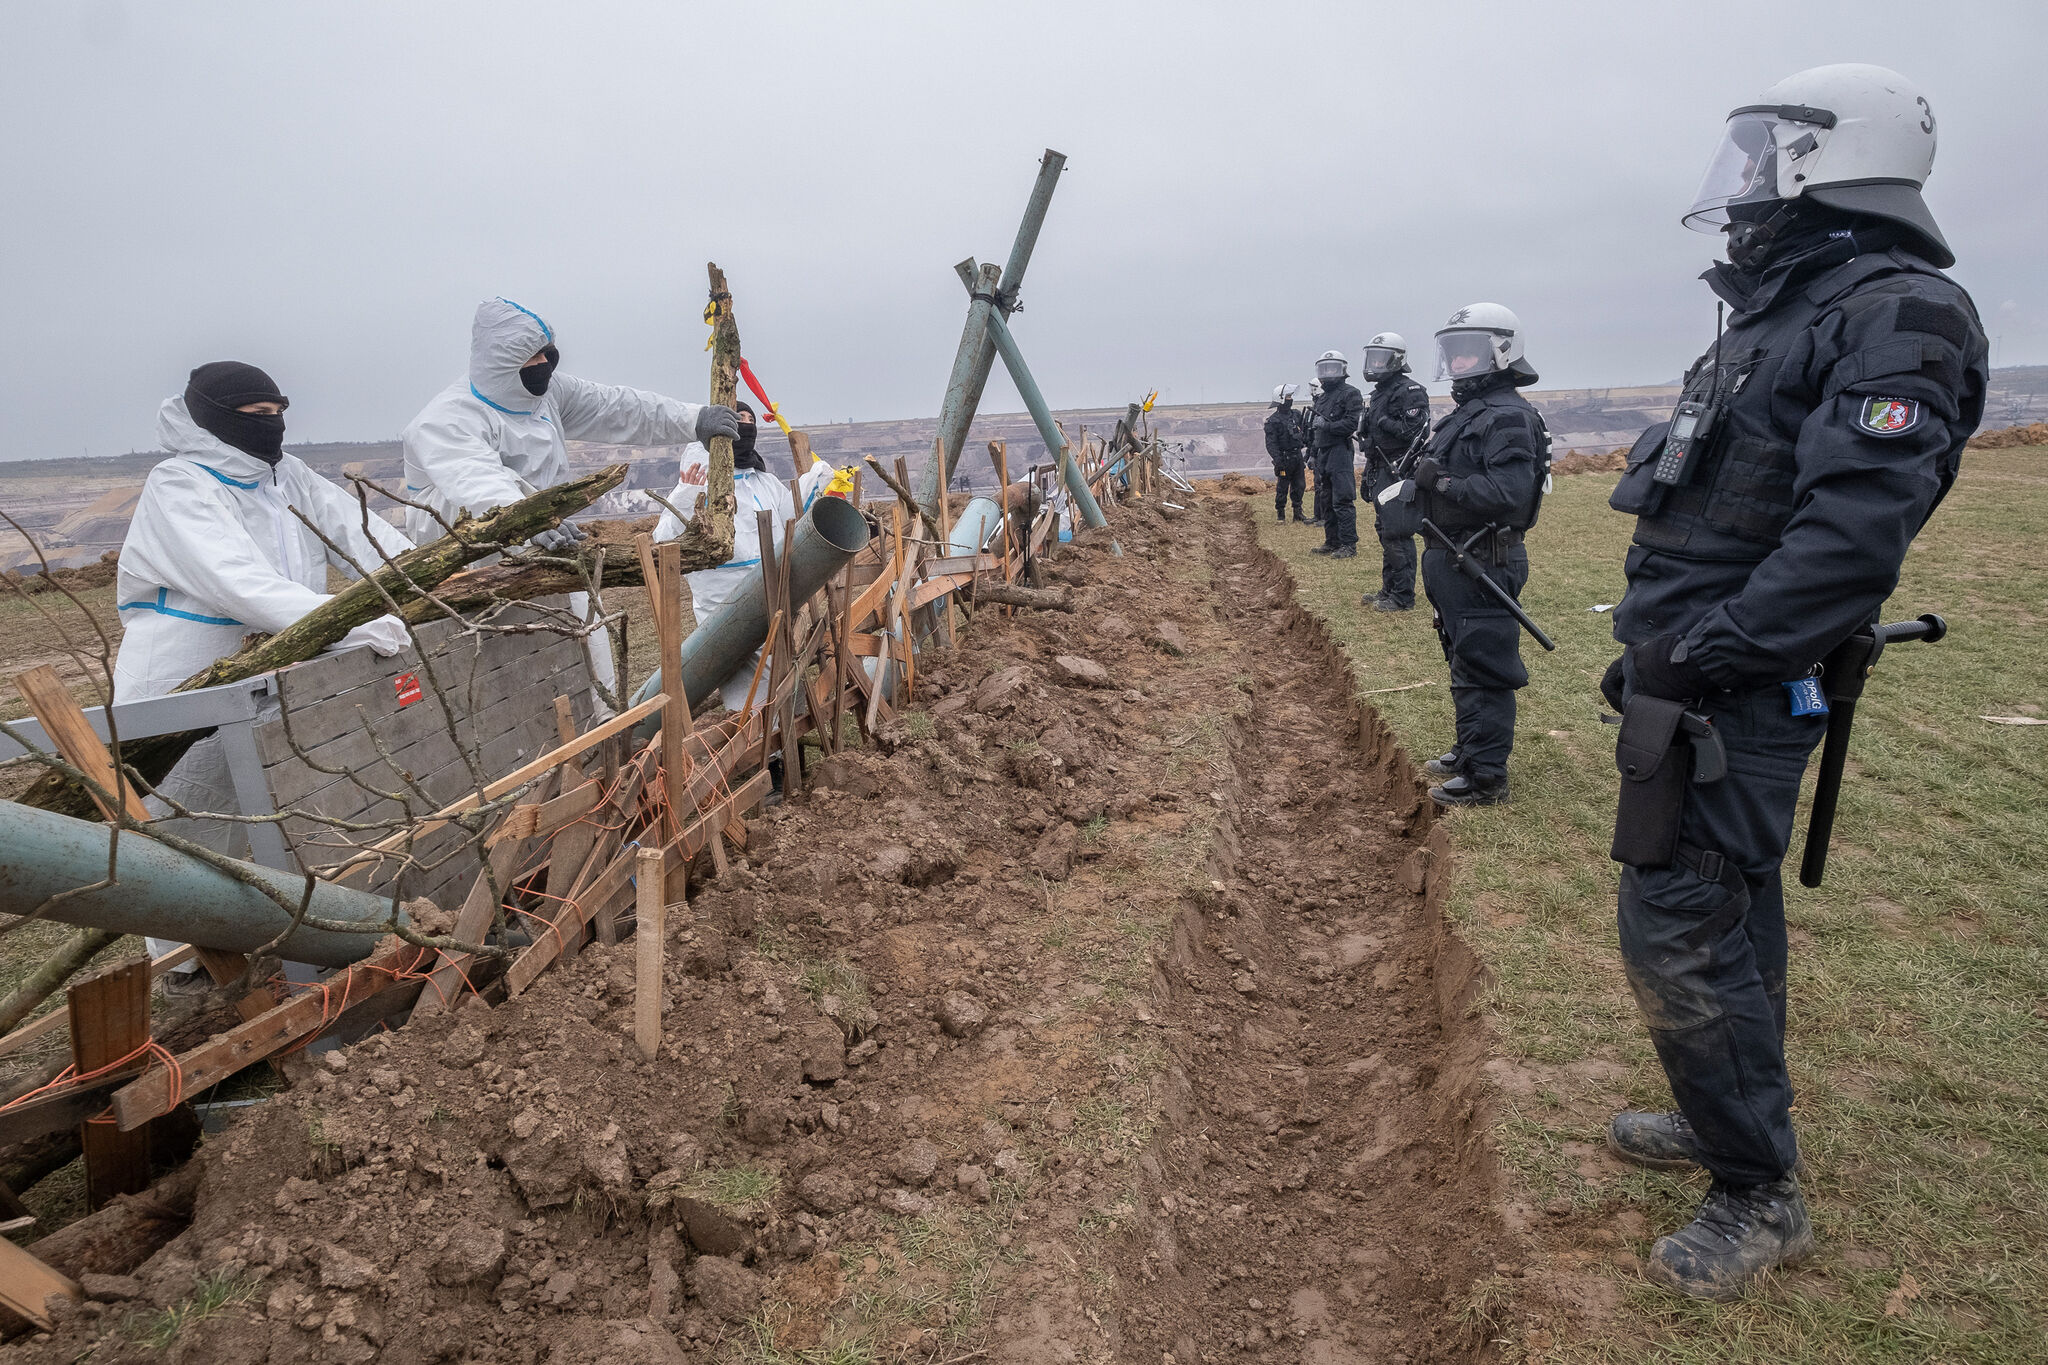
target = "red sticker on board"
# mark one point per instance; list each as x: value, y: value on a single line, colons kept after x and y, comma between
x: 408, y: 685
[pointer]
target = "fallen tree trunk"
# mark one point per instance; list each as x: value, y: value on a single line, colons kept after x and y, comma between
x: 127, y: 1232
x: 1013, y: 595
x: 424, y: 567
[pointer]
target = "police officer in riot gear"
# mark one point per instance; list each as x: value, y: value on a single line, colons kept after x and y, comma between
x: 1396, y: 421
x: 1333, y: 421
x: 1481, y: 481
x: 1284, y: 446
x: 1811, y: 443
x: 1320, y: 490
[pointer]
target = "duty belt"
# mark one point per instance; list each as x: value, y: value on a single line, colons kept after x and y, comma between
x: 1492, y: 547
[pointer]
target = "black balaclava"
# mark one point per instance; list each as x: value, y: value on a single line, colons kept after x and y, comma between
x: 1465, y: 390
x: 536, y: 376
x: 744, y: 456
x: 214, y: 392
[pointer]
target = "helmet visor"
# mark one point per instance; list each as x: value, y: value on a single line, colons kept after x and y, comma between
x: 1382, y: 360
x: 1465, y: 353
x: 1327, y: 370
x: 1756, y: 150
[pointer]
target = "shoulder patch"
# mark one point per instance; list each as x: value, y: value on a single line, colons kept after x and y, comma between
x: 1924, y: 315
x: 1888, y: 416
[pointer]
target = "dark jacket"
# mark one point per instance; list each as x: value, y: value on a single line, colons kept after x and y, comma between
x: 1494, y: 453
x: 1397, y: 413
x: 1334, y: 419
x: 1283, y: 438
x: 1849, y: 383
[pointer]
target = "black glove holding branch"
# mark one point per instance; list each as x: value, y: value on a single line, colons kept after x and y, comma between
x: 1663, y: 670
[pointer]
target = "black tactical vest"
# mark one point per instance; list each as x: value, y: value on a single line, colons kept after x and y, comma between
x: 1462, y: 441
x: 1740, y: 494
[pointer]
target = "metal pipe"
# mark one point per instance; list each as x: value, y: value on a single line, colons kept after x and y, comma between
x: 1077, y: 482
x: 162, y: 892
x: 829, y: 534
x: 976, y: 356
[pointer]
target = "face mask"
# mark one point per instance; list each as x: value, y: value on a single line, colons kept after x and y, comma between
x: 252, y: 433
x: 536, y: 376
x: 743, y: 453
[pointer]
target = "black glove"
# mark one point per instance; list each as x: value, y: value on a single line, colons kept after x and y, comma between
x: 1660, y: 675
x: 1610, y: 684
x: 1427, y: 475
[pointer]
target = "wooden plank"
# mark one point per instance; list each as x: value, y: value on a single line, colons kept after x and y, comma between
x: 643, y: 545
x: 222, y: 1055
x: 625, y: 720
x: 552, y: 815
x: 109, y: 1021
x: 26, y: 1284
x: 934, y: 588
x: 26, y: 1120
x: 478, y: 911
x: 546, y: 947
x: 647, y: 951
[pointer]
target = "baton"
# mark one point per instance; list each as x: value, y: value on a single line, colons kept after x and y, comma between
x: 1462, y: 561
x: 1843, y: 674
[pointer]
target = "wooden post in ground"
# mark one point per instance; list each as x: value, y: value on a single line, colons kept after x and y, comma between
x: 675, y: 720
x: 720, y: 501
x: 999, y: 452
x: 777, y: 656
x: 785, y: 719
x: 110, y: 1021
x: 643, y: 545
x: 647, y: 950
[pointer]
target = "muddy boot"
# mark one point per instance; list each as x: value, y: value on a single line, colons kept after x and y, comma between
x: 1463, y: 791
x: 1663, y: 1142
x: 1739, y: 1232
x: 1444, y: 766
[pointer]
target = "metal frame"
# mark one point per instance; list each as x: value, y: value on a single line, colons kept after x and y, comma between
x: 233, y: 710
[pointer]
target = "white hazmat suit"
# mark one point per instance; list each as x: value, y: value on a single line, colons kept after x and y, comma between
x: 484, y: 441
x: 754, y: 490
x: 214, y: 553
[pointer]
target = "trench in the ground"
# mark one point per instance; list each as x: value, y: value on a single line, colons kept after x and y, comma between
x: 1322, y: 1187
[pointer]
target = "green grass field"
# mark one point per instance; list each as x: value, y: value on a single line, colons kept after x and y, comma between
x: 1919, y: 984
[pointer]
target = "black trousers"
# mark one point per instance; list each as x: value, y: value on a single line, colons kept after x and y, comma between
x: 1483, y: 645
x: 1322, y: 502
x: 1289, y: 482
x: 1340, y: 527
x: 1397, y: 553
x: 1703, y: 941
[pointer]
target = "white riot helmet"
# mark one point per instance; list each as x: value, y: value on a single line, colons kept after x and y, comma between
x: 1331, y: 366
x: 1853, y: 137
x: 1385, y: 354
x: 1284, y: 393
x: 1480, y: 340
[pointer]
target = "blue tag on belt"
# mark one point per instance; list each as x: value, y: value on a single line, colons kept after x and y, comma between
x: 1806, y: 697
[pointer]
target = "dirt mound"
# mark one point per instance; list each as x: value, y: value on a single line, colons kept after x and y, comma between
x: 1235, y: 483
x: 1589, y: 462
x: 2033, y: 434
x: 97, y: 574
x: 1101, y: 1011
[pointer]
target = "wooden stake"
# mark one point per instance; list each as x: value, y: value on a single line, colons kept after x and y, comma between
x: 792, y: 751
x: 643, y: 544
x: 652, y: 912
x: 109, y: 1021
x: 675, y: 723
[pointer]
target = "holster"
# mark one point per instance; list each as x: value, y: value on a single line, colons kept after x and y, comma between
x: 1654, y: 767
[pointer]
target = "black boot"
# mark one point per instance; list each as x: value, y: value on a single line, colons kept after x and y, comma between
x: 1663, y: 1142
x: 1324, y: 550
x: 1739, y: 1232
x: 1344, y: 552
x: 1299, y: 517
x: 1463, y: 791
x: 1279, y: 515
x: 1444, y: 766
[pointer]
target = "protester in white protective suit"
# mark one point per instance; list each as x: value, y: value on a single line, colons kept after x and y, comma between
x: 755, y: 489
x: 497, y: 434
x: 215, y: 553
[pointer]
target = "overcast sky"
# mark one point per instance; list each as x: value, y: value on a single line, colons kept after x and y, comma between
x: 327, y: 190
